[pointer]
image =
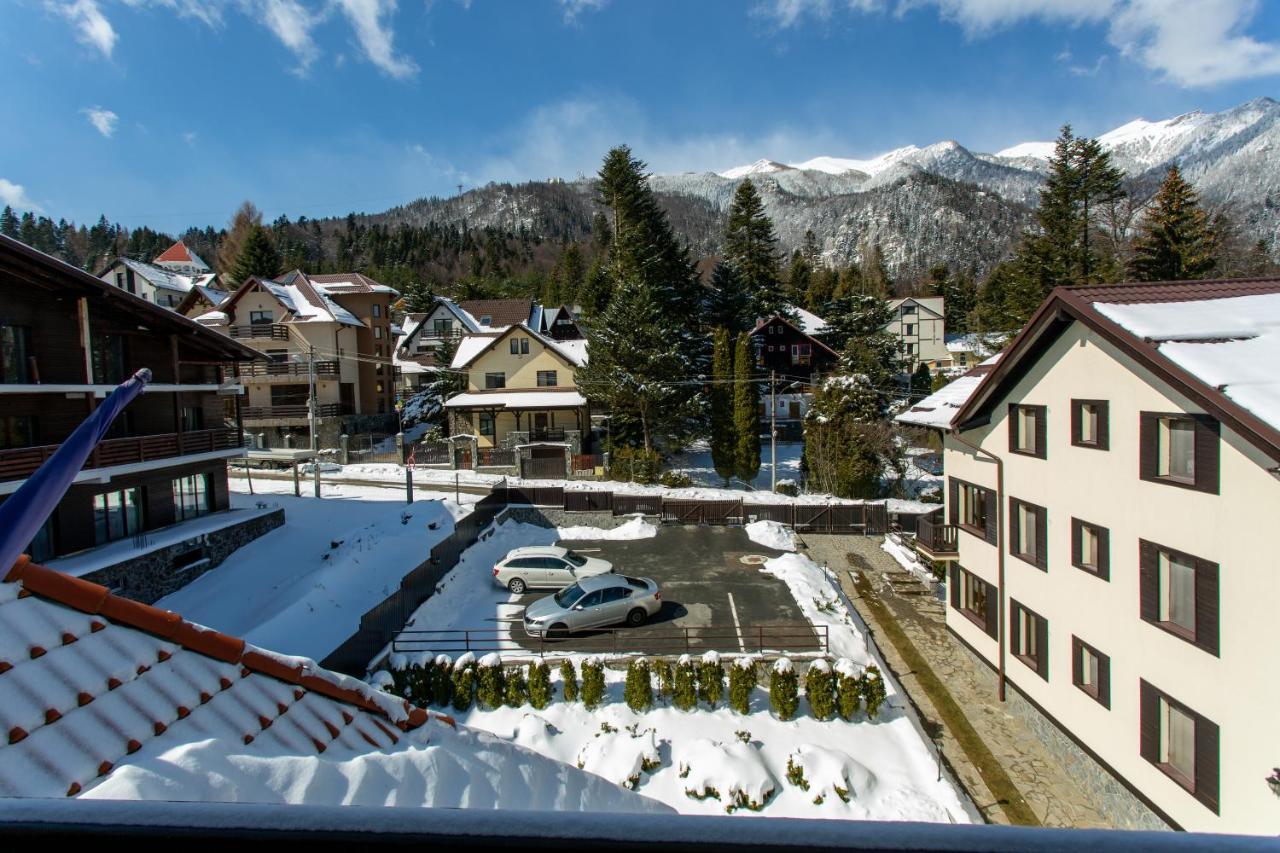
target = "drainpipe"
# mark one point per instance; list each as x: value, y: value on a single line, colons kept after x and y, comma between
x: 1000, y: 595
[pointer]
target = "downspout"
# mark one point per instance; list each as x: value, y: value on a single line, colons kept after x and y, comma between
x: 1000, y: 595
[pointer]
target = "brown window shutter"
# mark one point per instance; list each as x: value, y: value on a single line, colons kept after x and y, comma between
x: 1042, y: 415
x: 1076, y: 414
x: 1042, y: 538
x: 1042, y: 647
x: 1206, y: 450
x: 955, y: 586
x: 1104, y: 679
x: 993, y: 611
x: 953, y: 499
x: 1148, y: 445
x: 993, y: 516
x: 1149, y: 722
x: 1077, y: 557
x: 1207, y: 606
x: 1207, y: 763
x: 1104, y: 425
x: 1077, y: 671
x: 1013, y: 427
x: 1015, y: 636
x: 1014, y: 527
x: 1149, y: 581
x: 1104, y: 553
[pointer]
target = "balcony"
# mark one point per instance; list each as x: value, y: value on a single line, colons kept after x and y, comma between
x: 261, y: 331
x: 546, y: 434
x: 287, y: 371
x: 297, y: 412
x: 936, y: 540
x: 22, y: 462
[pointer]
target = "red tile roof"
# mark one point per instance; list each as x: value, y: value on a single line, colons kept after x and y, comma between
x: 178, y: 252
x: 90, y: 678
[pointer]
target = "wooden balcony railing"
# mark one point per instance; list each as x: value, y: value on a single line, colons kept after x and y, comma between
x: 267, y: 369
x: 936, y: 537
x: 22, y: 462
x: 267, y: 331
x: 264, y: 413
x: 556, y: 434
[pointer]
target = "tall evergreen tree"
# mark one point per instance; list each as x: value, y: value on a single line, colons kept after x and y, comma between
x: 9, y: 223
x: 572, y: 274
x: 724, y: 445
x: 257, y: 257
x: 1174, y: 240
x: 1100, y: 184
x: 751, y: 248
x: 595, y: 291
x: 799, y: 275
x: 876, y: 280
x: 727, y: 304
x: 746, y: 409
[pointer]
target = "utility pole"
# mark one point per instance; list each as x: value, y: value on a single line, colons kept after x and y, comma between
x: 773, y: 431
x: 311, y: 417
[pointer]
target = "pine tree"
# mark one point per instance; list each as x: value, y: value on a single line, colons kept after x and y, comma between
x: 257, y: 257
x: 593, y: 694
x: 746, y: 410
x: 752, y: 250
x: 820, y: 689
x: 638, y: 691
x: 724, y: 448
x: 569, y: 680
x: 799, y: 277
x: 1101, y: 184
x: 784, y: 689
x: 711, y: 679
x: 572, y: 275
x: 595, y: 292
x: 726, y: 303
x: 876, y: 280
x: 540, y: 693
x: 921, y: 383
x: 9, y: 223
x: 742, y: 682
x: 1174, y: 241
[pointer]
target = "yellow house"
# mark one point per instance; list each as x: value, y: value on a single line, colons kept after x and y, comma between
x: 521, y: 394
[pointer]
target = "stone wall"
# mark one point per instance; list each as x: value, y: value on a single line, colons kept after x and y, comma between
x: 1108, y: 793
x: 153, y: 575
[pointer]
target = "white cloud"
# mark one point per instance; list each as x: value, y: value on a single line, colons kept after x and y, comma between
x: 291, y: 23
x: 15, y: 195
x: 574, y: 8
x: 92, y: 27
x: 376, y: 36
x: 208, y: 12
x: 103, y: 120
x: 190, y: 138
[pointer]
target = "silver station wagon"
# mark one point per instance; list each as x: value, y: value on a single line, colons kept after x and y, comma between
x: 593, y: 603
x: 545, y: 567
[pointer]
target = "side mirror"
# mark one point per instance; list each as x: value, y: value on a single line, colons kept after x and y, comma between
x: 577, y: 607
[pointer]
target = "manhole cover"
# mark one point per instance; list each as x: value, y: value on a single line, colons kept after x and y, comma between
x: 753, y: 559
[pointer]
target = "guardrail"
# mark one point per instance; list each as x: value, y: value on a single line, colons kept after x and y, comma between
x: 269, y: 331
x: 782, y: 637
x: 263, y: 413
x: 288, y: 368
x: 23, y: 461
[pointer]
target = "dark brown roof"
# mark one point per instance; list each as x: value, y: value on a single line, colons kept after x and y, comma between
x: 502, y: 312
x: 1129, y: 293
x: 782, y: 319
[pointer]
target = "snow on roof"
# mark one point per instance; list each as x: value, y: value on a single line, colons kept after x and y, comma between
x: 549, y: 398
x: 348, y: 282
x: 469, y: 347
x: 810, y: 324
x: 938, y: 409
x: 983, y: 345
x: 1231, y: 344
x: 159, y: 276
x: 575, y: 351
x: 212, y: 318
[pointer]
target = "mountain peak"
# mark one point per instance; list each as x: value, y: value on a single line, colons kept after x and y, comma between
x: 759, y: 167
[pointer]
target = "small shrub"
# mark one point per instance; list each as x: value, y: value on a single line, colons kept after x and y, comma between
x: 742, y: 680
x: 516, y: 687
x: 684, y: 693
x: 606, y: 729
x: 540, y: 685
x: 592, y: 683
x: 711, y: 679
x: 820, y: 689
x: 464, y: 682
x: 743, y: 735
x: 873, y: 690
x: 489, y: 681
x: 569, y: 680
x: 784, y: 689
x: 675, y: 480
x: 788, y: 488
x: 442, y: 681
x: 639, y: 689
x: 848, y: 689
x: 795, y: 774
x: 666, y: 678
x: 634, y: 464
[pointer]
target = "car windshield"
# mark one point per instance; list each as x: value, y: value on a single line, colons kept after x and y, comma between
x: 576, y: 559
x: 568, y: 595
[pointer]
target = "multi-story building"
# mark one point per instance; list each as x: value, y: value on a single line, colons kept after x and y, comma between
x: 167, y: 280
x: 417, y: 353
x: 1108, y: 485
x: 792, y: 357
x: 919, y: 324
x: 335, y: 327
x: 66, y: 340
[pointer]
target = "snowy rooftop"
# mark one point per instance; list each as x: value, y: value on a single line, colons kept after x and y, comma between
x: 471, y: 346
x: 159, y: 276
x: 983, y: 345
x: 548, y: 398
x: 940, y: 408
x: 810, y: 324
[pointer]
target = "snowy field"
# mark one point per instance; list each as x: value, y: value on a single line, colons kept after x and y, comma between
x: 302, y: 588
x: 885, y: 766
x: 696, y: 462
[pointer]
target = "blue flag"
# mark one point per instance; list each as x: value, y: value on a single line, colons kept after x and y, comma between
x: 27, y: 509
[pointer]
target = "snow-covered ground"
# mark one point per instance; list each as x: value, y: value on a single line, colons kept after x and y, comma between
x: 696, y: 462
x: 302, y: 588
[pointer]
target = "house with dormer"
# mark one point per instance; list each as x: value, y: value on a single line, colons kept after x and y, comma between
x: 167, y: 280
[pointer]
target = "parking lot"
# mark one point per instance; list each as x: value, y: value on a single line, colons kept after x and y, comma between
x: 714, y: 596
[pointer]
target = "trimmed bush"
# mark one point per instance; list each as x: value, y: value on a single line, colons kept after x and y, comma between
x: 784, y: 689
x: 442, y: 681
x: 873, y: 690
x: 540, y: 693
x: 634, y: 464
x: 666, y: 678
x: 592, y: 683
x: 711, y: 679
x: 464, y: 682
x: 820, y: 689
x: 516, y: 687
x: 848, y: 689
x: 639, y: 689
x: 675, y: 480
x: 684, y: 694
x: 742, y: 680
x: 489, y: 681
x: 569, y: 680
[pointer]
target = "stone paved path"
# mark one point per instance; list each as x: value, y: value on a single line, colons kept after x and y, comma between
x: 1042, y: 784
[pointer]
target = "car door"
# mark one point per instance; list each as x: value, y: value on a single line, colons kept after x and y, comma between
x: 557, y: 572
x: 617, y: 600
x: 521, y: 567
x: 586, y: 613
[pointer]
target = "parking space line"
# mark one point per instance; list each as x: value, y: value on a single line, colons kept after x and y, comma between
x: 737, y: 627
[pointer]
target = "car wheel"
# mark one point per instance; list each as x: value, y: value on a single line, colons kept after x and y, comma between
x: 558, y: 631
x: 636, y: 617
x: 516, y: 586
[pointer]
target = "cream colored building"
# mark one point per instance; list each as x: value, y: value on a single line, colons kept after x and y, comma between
x: 1113, y: 483
x: 919, y: 324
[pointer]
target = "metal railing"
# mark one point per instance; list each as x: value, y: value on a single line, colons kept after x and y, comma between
x: 496, y: 457
x: 937, y: 537
x: 324, y: 410
x: 266, y: 331
x: 288, y: 368
x: 546, y: 434
x: 23, y: 461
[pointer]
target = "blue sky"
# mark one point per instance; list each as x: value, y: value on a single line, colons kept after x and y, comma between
x: 171, y: 112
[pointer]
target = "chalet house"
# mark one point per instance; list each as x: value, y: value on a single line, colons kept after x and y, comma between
x: 968, y: 350
x: 149, y: 511
x: 794, y: 357
x: 180, y: 259
x: 919, y: 324
x: 339, y: 323
x: 167, y: 280
x: 1107, y: 484
x: 521, y: 408
x: 417, y: 352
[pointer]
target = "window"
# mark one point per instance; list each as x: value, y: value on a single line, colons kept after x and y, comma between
x: 1180, y: 742
x: 519, y: 346
x: 801, y: 353
x: 547, y: 378
x: 976, y: 599
x: 911, y: 349
x: 192, y: 418
x: 487, y: 424
x: 1179, y: 449
x: 1027, y: 529
x: 770, y: 347
x: 1091, y: 671
x: 971, y: 507
x: 1179, y: 593
x: 120, y: 280
x: 41, y: 547
x: 290, y: 395
x: 17, y: 431
x: 258, y: 318
x: 1090, y: 424
x: 109, y: 359
x: 495, y: 380
x: 117, y: 515
x: 1091, y: 548
x: 379, y: 388
x: 377, y: 332
x: 909, y: 329
x: 1029, y: 638
x: 15, y: 351
x: 1026, y: 430
x: 131, y: 284
x: 377, y: 310
x: 442, y: 328
x: 486, y: 320
x: 908, y: 310
x: 191, y: 497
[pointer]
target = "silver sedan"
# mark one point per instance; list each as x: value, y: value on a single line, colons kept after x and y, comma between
x: 593, y: 603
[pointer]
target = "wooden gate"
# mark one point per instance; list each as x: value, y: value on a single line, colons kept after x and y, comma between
x: 545, y: 463
x: 702, y: 512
